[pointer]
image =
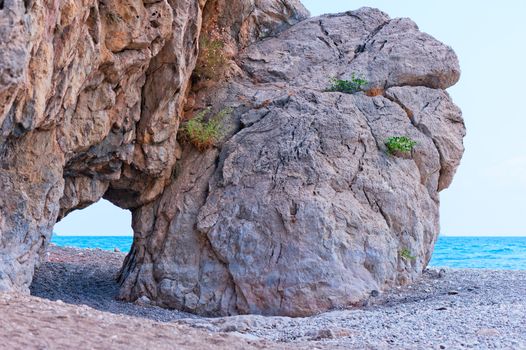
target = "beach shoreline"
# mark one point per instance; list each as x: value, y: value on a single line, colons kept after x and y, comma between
x: 445, y: 309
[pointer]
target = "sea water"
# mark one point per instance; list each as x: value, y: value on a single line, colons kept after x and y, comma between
x: 499, y: 253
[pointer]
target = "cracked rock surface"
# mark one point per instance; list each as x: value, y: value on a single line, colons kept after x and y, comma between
x: 301, y: 209
x: 91, y: 95
x: 298, y: 208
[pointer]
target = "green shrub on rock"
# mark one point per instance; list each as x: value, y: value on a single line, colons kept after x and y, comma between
x: 204, y: 132
x: 406, y: 254
x: 211, y: 58
x: 347, y: 86
x: 402, y: 144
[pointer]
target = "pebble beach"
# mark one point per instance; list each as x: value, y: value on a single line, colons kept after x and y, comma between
x: 446, y: 309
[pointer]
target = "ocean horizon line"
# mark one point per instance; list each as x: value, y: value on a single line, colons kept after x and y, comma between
x: 489, y: 252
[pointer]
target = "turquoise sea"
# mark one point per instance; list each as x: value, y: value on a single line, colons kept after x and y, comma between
x: 507, y: 253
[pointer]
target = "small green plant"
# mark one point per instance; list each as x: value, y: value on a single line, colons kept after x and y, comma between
x: 204, y: 132
x: 401, y: 144
x: 347, y: 86
x: 211, y: 58
x: 406, y: 254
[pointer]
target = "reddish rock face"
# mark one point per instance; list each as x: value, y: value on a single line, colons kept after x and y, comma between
x: 296, y: 210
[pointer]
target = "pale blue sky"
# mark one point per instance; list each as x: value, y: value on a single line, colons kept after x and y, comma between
x: 488, y: 194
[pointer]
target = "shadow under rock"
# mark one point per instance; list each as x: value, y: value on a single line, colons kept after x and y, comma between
x: 90, y: 280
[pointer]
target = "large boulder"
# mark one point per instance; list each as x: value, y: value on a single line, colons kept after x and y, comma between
x: 301, y: 208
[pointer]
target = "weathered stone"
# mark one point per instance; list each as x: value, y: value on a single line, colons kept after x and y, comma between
x: 303, y: 209
x: 75, y: 84
x: 246, y: 21
x: 299, y: 208
x: 90, y: 99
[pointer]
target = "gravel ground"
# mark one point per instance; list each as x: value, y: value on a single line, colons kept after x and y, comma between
x: 34, y: 323
x: 87, y: 277
x: 446, y: 309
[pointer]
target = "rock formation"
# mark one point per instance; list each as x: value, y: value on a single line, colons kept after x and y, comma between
x: 297, y: 209
x: 91, y: 95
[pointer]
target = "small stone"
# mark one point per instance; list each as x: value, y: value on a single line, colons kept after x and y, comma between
x: 143, y: 301
x: 116, y: 250
x: 488, y: 332
x: 375, y: 293
x: 324, y: 334
x: 229, y: 328
x: 453, y: 292
x: 363, y: 303
x: 441, y: 273
x: 328, y: 333
x: 441, y: 308
x: 341, y: 333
